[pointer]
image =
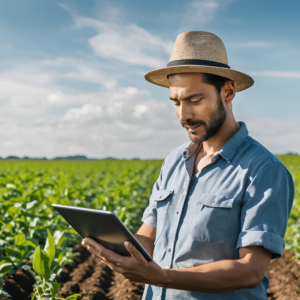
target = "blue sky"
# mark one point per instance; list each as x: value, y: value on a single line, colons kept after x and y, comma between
x: 71, y: 73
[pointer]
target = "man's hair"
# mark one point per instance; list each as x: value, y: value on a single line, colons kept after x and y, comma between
x: 215, y: 80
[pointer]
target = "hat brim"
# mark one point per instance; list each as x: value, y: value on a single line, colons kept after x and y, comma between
x: 160, y: 76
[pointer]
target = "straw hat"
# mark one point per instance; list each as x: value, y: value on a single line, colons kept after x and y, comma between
x: 199, y: 51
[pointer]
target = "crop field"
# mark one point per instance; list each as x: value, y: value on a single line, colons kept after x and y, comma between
x: 39, y: 253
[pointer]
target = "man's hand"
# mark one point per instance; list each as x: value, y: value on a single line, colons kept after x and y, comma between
x: 134, y: 267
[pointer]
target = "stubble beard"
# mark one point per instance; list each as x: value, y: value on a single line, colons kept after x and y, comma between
x: 216, y: 120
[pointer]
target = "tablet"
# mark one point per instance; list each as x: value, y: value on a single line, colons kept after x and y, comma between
x: 102, y: 226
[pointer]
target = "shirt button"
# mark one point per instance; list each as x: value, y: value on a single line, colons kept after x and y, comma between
x: 167, y: 267
x: 184, y: 193
x: 213, y: 202
x: 177, y: 212
x: 169, y: 249
x: 158, y: 298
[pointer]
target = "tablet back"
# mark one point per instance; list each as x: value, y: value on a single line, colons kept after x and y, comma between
x: 103, y: 226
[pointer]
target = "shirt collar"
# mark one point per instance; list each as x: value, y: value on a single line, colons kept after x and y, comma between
x: 190, y: 150
x: 227, y: 151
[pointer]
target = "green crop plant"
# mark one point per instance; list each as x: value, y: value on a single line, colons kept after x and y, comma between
x: 46, y: 287
x: 28, y: 188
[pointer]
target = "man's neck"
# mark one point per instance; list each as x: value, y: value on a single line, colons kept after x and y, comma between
x: 215, y: 143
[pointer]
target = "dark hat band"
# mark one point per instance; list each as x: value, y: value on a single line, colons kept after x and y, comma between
x: 181, y: 62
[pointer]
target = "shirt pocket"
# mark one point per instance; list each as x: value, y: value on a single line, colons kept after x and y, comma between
x: 211, y: 218
x: 162, y: 199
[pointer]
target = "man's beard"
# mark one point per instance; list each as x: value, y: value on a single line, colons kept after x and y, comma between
x: 216, y: 120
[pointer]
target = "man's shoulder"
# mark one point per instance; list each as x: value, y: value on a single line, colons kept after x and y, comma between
x: 257, y: 155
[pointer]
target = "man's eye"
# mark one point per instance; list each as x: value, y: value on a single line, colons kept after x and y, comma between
x: 177, y: 103
x: 197, y: 101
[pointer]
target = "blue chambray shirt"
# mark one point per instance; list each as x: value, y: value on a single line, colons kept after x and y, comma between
x: 242, y: 198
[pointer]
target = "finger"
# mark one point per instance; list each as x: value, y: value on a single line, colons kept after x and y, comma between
x: 135, y: 253
x: 108, y: 264
x: 104, y: 253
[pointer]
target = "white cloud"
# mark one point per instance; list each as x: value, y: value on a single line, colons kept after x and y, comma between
x: 200, y: 12
x: 126, y: 42
x: 33, y: 88
x: 122, y: 123
x: 283, y: 74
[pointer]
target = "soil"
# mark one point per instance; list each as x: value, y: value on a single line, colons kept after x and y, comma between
x: 95, y: 281
x: 284, y: 276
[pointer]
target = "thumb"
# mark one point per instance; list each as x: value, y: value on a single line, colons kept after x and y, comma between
x: 135, y: 253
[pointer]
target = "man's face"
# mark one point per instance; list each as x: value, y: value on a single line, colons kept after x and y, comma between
x: 198, y: 105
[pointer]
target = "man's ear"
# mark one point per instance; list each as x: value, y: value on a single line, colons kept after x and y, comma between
x: 228, y: 91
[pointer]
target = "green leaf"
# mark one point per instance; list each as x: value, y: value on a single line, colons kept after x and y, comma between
x: 52, y: 277
x: 4, y: 293
x: 57, y: 236
x: 60, y: 257
x: 31, y: 204
x: 55, y: 289
x: 50, y: 248
x: 41, y: 263
x: 65, y: 201
x: 20, y: 239
x: 73, y: 297
x: 30, y: 244
x: 5, y: 267
x: 14, y: 252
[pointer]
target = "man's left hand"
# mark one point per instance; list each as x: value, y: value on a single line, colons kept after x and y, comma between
x: 134, y: 267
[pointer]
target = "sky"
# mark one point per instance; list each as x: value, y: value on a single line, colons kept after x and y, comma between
x: 72, y: 74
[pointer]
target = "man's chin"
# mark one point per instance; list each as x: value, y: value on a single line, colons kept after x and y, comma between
x: 195, y: 138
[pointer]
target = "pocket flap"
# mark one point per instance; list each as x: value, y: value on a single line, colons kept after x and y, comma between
x: 162, y: 195
x: 216, y: 200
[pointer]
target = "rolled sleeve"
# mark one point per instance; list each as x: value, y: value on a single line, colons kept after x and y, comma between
x: 150, y: 213
x: 266, y: 208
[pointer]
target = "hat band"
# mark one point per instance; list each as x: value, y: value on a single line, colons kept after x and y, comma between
x: 202, y: 62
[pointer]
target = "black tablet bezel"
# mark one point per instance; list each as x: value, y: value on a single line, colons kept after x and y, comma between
x: 123, y: 228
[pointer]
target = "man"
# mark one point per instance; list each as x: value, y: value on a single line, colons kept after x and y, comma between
x: 219, y: 209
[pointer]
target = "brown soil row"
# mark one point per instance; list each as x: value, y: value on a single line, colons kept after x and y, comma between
x: 95, y: 281
x: 284, y: 276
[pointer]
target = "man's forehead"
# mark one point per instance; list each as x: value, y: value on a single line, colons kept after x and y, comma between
x: 180, y: 85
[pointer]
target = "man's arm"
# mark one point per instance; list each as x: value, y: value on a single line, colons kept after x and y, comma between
x: 216, y: 277
x: 222, y: 276
x: 146, y: 236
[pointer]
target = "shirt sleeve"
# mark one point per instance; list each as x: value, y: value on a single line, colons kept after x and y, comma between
x: 150, y: 213
x: 266, y: 208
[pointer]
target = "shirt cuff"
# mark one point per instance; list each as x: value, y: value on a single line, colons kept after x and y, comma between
x: 270, y: 241
x: 150, y: 221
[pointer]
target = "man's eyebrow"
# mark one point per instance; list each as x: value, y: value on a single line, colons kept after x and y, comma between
x: 186, y: 98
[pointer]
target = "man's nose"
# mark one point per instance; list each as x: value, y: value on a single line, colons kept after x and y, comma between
x: 185, y: 112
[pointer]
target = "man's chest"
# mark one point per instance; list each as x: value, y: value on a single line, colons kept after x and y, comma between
x: 201, y: 206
